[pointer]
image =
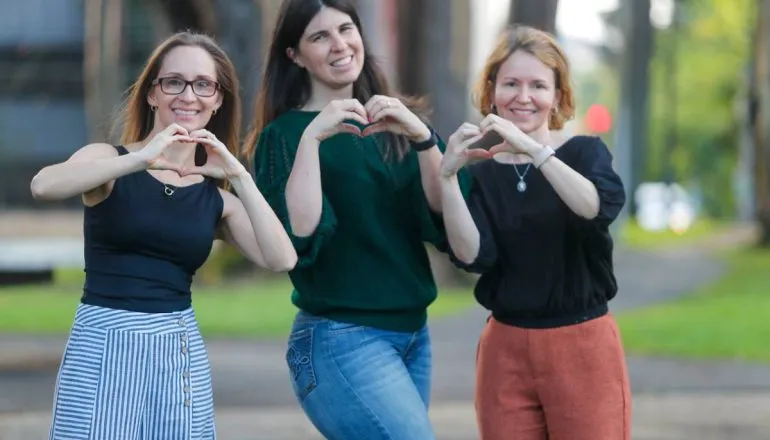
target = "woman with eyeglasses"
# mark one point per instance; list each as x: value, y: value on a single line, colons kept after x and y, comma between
x: 135, y: 365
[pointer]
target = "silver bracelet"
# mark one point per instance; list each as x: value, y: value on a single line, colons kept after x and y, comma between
x: 542, y: 156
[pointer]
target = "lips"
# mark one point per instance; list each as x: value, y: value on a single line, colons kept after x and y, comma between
x: 522, y: 112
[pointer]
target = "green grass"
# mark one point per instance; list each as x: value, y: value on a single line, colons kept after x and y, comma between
x: 632, y: 235
x: 729, y: 319
x: 254, y: 309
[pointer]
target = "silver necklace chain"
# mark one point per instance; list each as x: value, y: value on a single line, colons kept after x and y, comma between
x: 522, y: 185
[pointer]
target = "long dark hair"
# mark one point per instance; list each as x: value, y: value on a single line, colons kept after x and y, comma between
x: 286, y: 86
x: 136, y: 121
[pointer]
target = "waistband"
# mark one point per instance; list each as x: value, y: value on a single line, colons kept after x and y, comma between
x: 138, y: 322
x: 558, y: 320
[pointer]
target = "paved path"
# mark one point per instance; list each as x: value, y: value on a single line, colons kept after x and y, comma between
x: 673, y: 399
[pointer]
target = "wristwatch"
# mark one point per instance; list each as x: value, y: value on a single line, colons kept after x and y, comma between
x: 426, y: 144
x: 542, y: 156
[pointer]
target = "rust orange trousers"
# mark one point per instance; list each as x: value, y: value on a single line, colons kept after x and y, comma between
x: 565, y: 383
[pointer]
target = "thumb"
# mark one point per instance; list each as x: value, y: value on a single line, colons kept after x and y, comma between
x: 500, y: 148
x: 478, y: 153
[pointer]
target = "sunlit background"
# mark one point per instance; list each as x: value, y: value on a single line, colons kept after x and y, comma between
x: 678, y: 89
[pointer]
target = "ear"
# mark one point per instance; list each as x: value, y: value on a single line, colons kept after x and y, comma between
x: 556, y: 99
x: 292, y: 54
x: 151, y: 98
x: 491, y: 86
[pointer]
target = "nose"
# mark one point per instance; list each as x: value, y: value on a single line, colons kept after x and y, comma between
x: 187, y: 94
x: 338, y: 42
x: 523, y: 95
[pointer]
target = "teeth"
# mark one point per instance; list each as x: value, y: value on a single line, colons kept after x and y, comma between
x: 186, y: 112
x: 343, y: 61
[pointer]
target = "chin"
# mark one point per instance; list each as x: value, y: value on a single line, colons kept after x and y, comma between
x: 191, y: 125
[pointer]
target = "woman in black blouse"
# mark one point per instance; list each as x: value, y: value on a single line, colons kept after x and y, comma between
x: 535, y: 226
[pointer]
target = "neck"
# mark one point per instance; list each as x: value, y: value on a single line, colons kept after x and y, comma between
x: 323, y: 95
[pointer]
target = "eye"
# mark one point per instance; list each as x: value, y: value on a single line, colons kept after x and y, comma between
x: 318, y: 37
x: 174, y: 82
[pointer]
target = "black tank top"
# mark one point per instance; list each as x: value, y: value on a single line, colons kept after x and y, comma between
x: 143, y: 246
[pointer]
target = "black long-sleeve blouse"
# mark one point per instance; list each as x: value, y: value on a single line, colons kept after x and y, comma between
x: 542, y: 265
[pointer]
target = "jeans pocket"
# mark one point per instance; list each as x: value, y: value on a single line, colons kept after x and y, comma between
x: 299, y: 357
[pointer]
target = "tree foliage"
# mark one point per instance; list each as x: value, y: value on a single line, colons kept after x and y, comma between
x: 713, y: 50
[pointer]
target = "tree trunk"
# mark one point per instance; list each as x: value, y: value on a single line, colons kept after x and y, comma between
x: 540, y: 14
x: 102, y: 66
x: 762, y: 121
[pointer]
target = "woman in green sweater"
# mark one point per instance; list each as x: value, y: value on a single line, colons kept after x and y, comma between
x: 353, y: 174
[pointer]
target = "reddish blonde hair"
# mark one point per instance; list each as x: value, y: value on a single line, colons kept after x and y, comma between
x: 540, y: 44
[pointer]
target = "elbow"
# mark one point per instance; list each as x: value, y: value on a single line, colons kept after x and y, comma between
x: 285, y: 264
x: 591, y: 207
x: 465, y: 256
x: 590, y: 213
x: 39, y: 190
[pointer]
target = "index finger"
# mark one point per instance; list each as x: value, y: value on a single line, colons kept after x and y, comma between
x: 176, y: 129
x: 353, y: 105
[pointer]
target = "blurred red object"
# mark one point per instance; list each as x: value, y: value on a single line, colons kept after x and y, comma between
x: 598, y: 119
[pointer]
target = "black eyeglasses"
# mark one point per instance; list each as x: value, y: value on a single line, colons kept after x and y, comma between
x: 175, y: 86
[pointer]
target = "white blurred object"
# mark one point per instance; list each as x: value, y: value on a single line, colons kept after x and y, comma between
x: 660, y: 206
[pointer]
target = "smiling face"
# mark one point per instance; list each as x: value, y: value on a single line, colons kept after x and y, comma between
x: 330, y: 49
x: 194, y: 106
x: 525, y: 92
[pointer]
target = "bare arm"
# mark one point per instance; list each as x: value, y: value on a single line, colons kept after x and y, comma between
x: 577, y: 192
x: 430, y: 162
x: 253, y: 228
x: 90, y: 171
x: 303, y: 189
x: 461, y: 230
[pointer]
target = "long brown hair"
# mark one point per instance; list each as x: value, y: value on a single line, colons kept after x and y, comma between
x: 136, y: 121
x: 540, y: 44
x: 286, y: 86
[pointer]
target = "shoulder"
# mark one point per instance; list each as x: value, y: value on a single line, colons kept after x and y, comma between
x: 584, y: 144
x: 285, y: 130
x: 291, y: 122
x: 584, y: 148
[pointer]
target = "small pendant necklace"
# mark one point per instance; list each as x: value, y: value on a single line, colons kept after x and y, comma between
x: 522, y: 185
x: 168, y: 189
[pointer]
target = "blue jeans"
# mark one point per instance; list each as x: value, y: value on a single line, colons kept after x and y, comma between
x: 357, y: 382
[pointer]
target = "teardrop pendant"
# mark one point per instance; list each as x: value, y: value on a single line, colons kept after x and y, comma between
x: 521, y: 186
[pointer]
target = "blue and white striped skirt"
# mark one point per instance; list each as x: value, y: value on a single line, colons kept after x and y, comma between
x: 130, y: 375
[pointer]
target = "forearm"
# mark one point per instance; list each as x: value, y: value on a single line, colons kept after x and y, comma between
x: 577, y: 192
x: 69, y: 179
x: 271, y: 238
x: 430, y: 163
x: 304, y: 197
x: 461, y: 230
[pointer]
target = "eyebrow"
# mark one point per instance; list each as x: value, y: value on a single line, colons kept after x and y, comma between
x: 206, y: 77
x: 510, y: 78
x: 345, y: 23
